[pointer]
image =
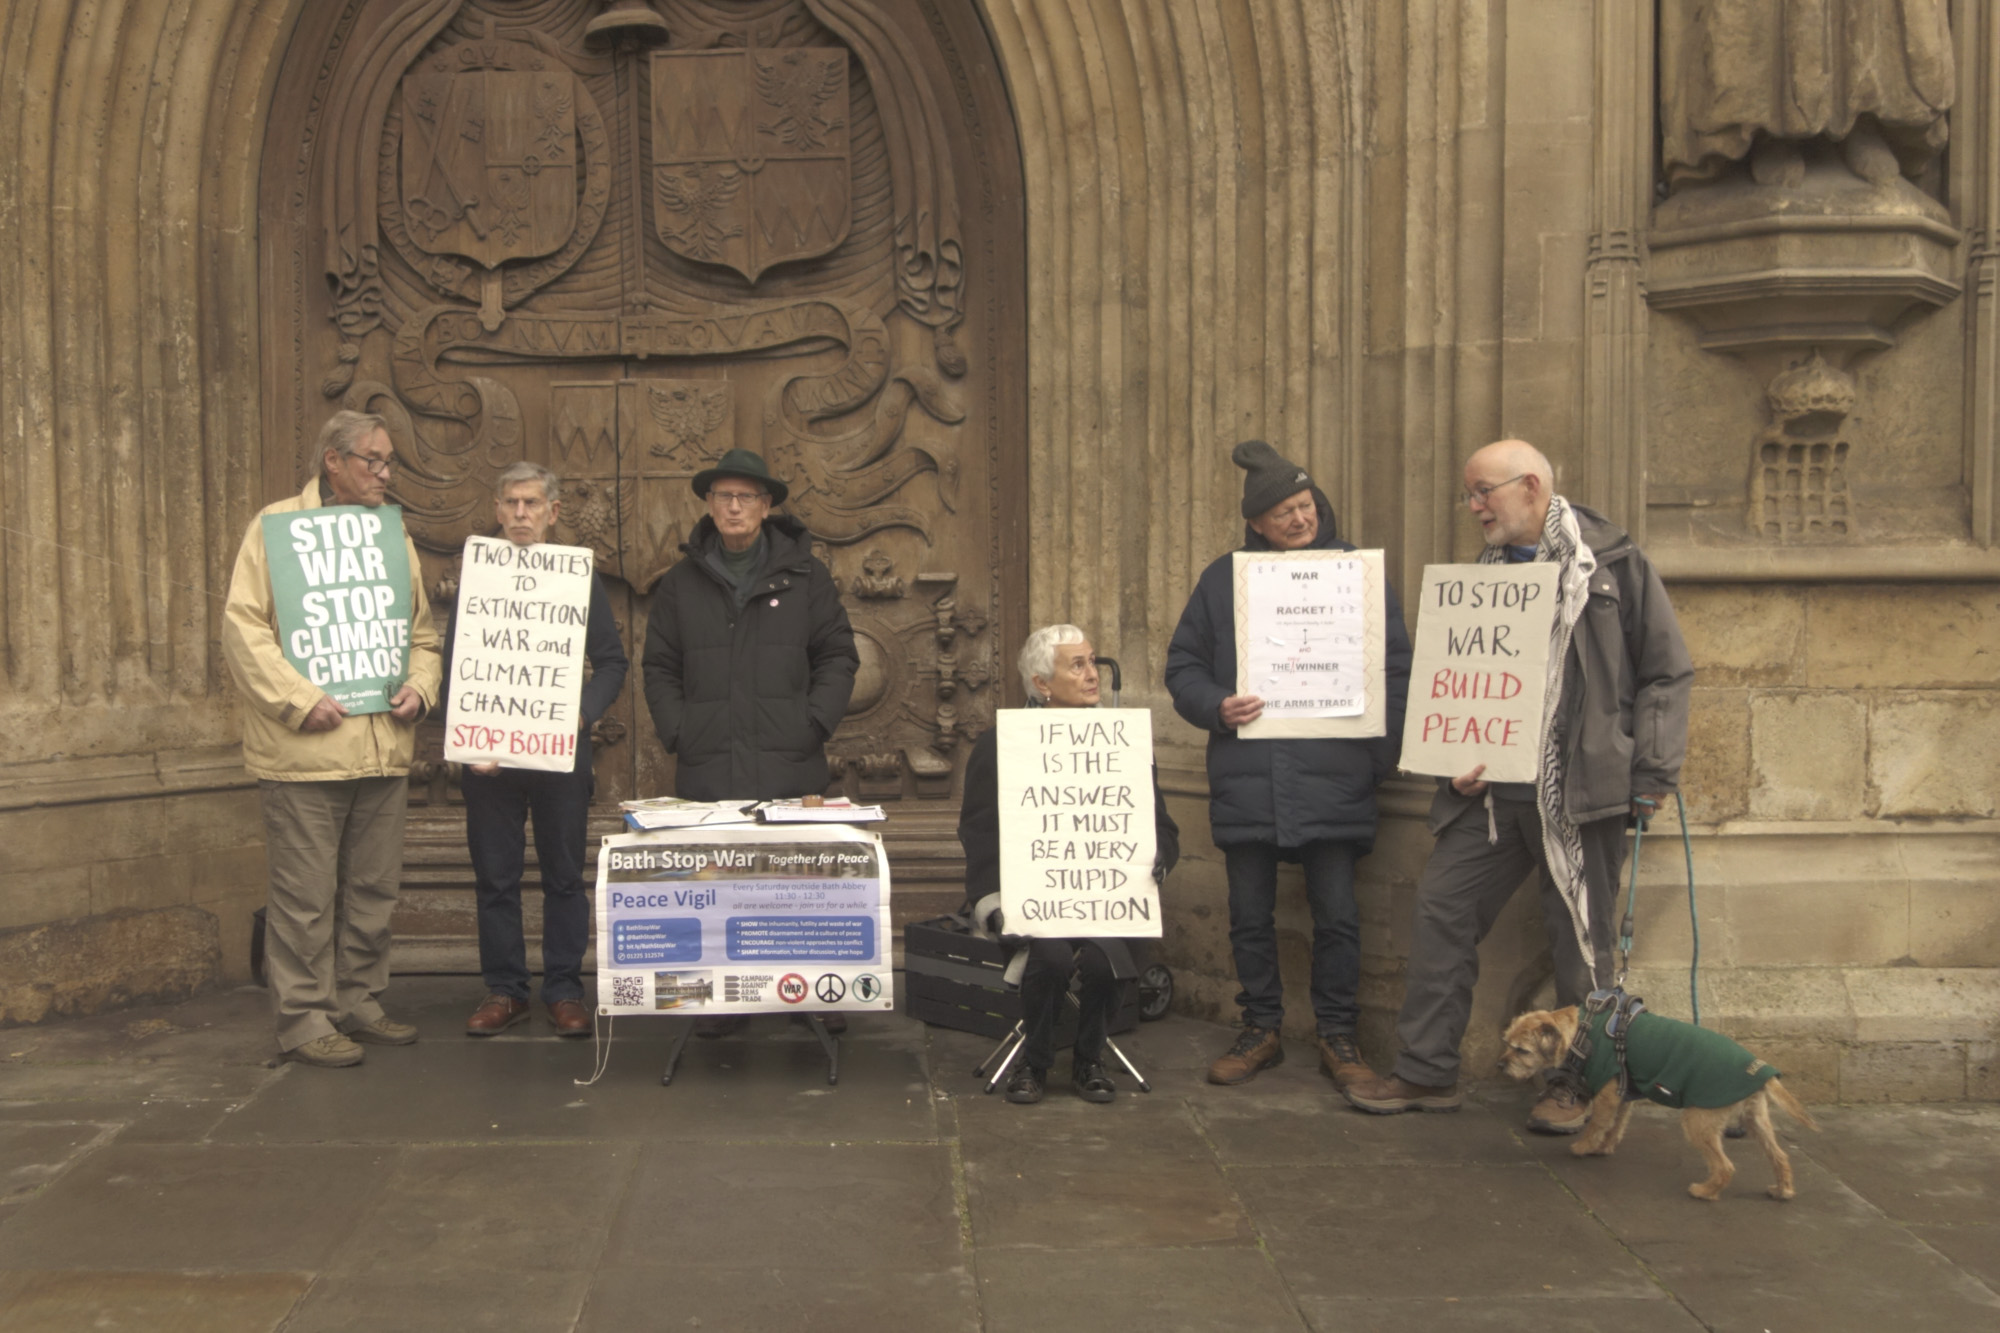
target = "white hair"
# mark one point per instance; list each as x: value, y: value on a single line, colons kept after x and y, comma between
x: 1038, y: 654
x: 523, y: 472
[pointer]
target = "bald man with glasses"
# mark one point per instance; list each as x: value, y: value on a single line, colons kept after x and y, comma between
x: 1620, y: 714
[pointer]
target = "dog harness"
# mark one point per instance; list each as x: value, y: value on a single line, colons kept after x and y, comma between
x: 1674, y: 1064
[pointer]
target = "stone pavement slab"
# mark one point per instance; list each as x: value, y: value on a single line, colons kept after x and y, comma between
x: 158, y: 1172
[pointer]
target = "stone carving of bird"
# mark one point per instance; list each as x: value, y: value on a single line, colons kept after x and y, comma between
x: 698, y: 194
x: 797, y: 85
x: 688, y: 414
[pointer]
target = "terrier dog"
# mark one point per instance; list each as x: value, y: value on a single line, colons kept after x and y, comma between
x: 1539, y: 1039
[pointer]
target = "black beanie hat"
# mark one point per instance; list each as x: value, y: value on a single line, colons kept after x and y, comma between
x: 1272, y: 478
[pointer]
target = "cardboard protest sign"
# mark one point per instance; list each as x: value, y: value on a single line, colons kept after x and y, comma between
x: 1311, y: 630
x: 744, y: 920
x: 1480, y: 669
x: 1076, y: 822
x: 517, y: 655
x: 340, y: 585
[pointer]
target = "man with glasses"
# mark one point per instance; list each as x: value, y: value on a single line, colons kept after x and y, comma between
x: 1617, y: 732
x: 1310, y: 802
x: 334, y: 788
x: 749, y: 657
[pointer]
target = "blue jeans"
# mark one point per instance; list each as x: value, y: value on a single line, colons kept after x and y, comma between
x: 1336, y: 937
x: 495, y: 810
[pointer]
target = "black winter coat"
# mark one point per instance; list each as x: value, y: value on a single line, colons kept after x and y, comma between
x: 745, y: 699
x: 1285, y: 793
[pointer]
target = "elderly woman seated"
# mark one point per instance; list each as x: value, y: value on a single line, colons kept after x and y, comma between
x: 1059, y: 668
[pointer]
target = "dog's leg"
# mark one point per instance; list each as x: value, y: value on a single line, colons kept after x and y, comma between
x: 1704, y: 1130
x: 1625, y: 1110
x: 1600, y: 1134
x: 1757, y: 1115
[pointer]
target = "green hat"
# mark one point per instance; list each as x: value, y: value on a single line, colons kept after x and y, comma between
x: 741, y: 463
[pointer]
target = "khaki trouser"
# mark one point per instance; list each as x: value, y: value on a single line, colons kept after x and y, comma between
x: 336, y: 856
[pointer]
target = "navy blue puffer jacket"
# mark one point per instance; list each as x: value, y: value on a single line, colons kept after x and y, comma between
x: 1283, y: 792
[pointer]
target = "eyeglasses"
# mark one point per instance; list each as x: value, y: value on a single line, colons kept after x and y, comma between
x: 378, y: 467
x: 1480, y: 494
x: 737, y: 499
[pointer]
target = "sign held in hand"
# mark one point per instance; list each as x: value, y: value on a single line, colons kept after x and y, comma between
x: 1310, y: 642
x: 1480, y: 670
x: 516, y: 686
x: 1077, y: 841
x: 340, y: 585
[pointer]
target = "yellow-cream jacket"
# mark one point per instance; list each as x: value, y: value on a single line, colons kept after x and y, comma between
x: 277, y: 698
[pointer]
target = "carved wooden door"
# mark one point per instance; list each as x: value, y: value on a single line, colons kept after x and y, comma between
x: 619, y: 238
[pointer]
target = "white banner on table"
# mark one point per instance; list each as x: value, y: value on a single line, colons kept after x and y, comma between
x: 1310, y: 636
x: 744, y: 920
x: 518, y: 655
x: 1077, y: 840
x: 1480, y: 670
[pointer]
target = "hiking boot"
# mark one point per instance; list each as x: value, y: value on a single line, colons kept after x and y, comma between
x: 1340, y: 1060
x: 1025, y: 1087
x: 1090, y: 1081
x: 384, y: 1031
x: 333, y: 1051
x: 1255, y: 1048
x: 1389, y: 1095
x: 1562, y: 1110
x: 496, y: 1013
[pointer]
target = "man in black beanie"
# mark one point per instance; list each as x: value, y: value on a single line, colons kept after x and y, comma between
x: 1305, y: 801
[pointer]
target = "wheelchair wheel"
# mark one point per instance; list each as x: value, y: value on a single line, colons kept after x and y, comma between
x: 1156, y: 992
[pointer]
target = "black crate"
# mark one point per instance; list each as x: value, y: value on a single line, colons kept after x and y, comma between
x: 955, y: 979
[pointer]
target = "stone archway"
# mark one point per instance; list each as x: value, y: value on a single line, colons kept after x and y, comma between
x: 620, y: 240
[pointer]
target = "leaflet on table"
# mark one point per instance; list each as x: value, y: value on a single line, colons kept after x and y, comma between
x: 672, y: 812
x: 744, y: 919
x: 833, y: 812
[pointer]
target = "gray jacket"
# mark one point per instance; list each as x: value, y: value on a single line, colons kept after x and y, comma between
x: 1626, y: 689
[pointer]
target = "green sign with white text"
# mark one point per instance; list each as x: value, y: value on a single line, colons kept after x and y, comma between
x: 340, y: 582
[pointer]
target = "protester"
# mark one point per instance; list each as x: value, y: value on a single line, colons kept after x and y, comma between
x: 334, y: 788
x: 1616, y: 731
x: 1058, y: 667
x: 749, y: 659
x: 1271, y: 801
x: 498, y: 801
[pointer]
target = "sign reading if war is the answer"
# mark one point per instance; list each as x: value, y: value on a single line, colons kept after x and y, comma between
x: 516, y: 687
x: 1076, y: 822
x: 1480, y: 670
x: 340, y: 584
x: 744, y: 920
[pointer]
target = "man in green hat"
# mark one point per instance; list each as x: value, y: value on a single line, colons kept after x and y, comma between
x: 749, y: 657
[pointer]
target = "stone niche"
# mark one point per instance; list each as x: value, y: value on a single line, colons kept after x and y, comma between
x: 1799, y: 231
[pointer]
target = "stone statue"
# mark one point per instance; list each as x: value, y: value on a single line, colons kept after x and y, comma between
x: 1758, y: 79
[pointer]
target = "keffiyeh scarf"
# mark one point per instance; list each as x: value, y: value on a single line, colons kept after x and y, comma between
x: 1561, y: 544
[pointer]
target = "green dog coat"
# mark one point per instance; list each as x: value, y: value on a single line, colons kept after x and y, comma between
x: 1675, y: 1064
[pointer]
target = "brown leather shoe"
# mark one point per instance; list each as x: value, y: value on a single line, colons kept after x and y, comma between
x: 1389, y: 1095
x: 496, y: 1013
x: 1340, y: 1060
x: 1255, y: 1048
x: 1562, y: 1110
x: 569, y: 1018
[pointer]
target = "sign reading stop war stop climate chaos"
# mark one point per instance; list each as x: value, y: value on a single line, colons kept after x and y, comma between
x: 340, y: 584
x: 518, y: 655
x: 744, y: 920
x: 1479, y: 672
x: 1076, y: 822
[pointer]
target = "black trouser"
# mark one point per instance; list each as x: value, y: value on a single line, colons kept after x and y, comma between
x: 495, y: 808
x: 1336, y: 937
x: 1051, y: 963
x: 1464, y: 885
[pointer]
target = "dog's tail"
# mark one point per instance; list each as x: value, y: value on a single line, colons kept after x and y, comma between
x: 1782, y: 1095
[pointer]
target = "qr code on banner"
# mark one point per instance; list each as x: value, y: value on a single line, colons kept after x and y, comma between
x: 628, y: 991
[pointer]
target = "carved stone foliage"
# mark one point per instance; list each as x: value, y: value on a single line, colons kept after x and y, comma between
x: 620, y: 238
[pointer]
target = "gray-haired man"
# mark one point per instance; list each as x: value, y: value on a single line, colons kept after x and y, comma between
x: 526, y: 500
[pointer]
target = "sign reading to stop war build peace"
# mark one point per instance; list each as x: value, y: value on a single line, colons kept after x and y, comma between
x: 1480, y: 670
x: 1076, y: 822
x: 516, y: 685
x: 340, y: 585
